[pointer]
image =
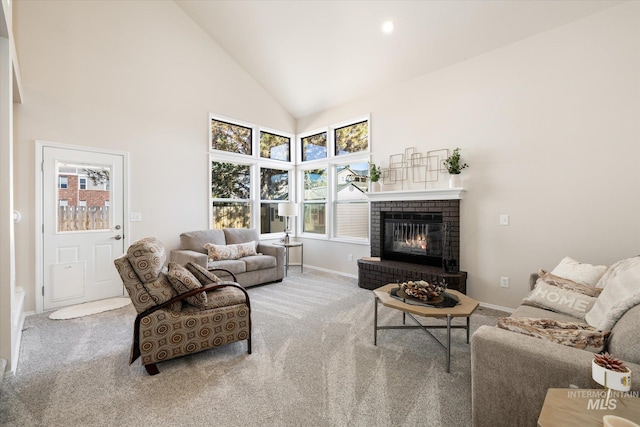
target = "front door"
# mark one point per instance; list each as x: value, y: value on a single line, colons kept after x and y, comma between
x: 83, y: 202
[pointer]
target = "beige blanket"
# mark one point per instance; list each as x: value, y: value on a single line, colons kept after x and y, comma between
x: 573, y: 334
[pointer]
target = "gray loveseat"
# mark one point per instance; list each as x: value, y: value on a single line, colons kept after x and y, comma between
x: 264, y: 267
x: 511, y: 372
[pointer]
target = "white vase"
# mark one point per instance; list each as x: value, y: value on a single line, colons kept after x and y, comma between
x: 455, y: 181
x: 374, y: 187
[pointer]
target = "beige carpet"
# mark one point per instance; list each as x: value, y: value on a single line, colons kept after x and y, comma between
x: 313, y: 364
x: 89, y: 308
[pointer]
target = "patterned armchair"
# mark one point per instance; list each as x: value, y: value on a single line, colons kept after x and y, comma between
x: 184, y: 311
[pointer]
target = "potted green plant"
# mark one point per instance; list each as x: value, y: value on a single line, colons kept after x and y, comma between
x: 375, y: 172
x: 454, y: 166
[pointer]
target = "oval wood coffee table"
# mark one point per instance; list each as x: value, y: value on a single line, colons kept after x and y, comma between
x: 464, y: 309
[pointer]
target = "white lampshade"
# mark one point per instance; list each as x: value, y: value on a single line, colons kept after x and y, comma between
x: 287, y: 209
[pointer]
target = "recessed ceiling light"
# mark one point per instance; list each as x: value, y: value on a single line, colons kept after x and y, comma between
x: 388, y: 27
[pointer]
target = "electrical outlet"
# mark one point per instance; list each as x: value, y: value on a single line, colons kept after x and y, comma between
x: 350, y: 257
x: 504, y: 219
x: 504, y: 282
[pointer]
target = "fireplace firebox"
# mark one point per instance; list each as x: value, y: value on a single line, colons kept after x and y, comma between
x: 413, y: 237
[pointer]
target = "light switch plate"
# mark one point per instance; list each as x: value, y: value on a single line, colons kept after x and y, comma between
x: 135, y: 217
x: 504, y: 219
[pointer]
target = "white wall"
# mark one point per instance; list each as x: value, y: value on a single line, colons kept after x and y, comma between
x: 132, y: 76
x: 549, y: 125
x: 551, y: 129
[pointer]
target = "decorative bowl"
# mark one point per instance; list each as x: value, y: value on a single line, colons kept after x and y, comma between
x: 422, y: 290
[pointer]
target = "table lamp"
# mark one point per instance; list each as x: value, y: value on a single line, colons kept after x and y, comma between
x: 287, y: 210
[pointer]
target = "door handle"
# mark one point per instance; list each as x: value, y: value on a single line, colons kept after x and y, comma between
x: 118, y: 237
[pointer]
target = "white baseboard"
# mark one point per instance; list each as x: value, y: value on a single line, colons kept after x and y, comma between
x: 17, y: 323
x: 327, y: 270
x: 496, y: 307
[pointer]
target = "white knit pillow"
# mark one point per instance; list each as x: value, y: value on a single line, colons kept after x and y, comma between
x: 621, y: 292
x: 579, y: 272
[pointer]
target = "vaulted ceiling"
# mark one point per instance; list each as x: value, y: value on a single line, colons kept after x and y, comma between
x: 314, y: 55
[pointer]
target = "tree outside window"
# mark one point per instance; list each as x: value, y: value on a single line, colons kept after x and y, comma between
x: 352, y: 138
x: 231, y: 137
x: 314, y: 147
x: 275, y: 147
x: 230, y: 195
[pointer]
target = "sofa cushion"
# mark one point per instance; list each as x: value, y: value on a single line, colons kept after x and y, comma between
x: 232, y: 251
x: 260, y: 262
x: 147, y: 257
x: 240, y: 235
x: 624, y: 341
x: 183, y: 281
x: 234, y: 266
x: 195, y: 240
x: 621, y: 291
x: 579, y: 272
x: 203, y: 275
x: 562, y: 295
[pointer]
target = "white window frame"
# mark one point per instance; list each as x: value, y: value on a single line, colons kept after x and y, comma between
x: 255, y: 162
x: 331, y: 162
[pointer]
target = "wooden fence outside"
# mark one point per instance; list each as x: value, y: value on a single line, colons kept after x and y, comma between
x: 78, y: 218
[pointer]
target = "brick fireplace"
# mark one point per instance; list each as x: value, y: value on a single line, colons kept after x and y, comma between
x: 444, y: 206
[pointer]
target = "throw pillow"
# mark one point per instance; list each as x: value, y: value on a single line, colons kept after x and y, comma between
x: 203, y: 275
x: 621, y: 291
x: 223, y: 252
x: 586, y: 274
x: 183, y: 281
x: 562, y: 295
x: 573, y: 334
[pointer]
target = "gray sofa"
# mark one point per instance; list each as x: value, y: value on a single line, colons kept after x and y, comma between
x: 511, y: 372
x: 265, y: 267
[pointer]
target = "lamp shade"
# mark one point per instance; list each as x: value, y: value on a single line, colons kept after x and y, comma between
x: 287, y: 209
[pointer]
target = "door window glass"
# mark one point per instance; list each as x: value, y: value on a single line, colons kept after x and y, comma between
x: 83, y: 200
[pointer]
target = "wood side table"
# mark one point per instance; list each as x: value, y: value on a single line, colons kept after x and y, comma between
x: 570, y: 407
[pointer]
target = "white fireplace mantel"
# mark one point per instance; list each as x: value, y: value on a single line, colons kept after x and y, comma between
x: 406, y: 195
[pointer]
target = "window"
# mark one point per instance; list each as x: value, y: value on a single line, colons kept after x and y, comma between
x: 231, y: 137
x: 83, y: 183
x: 253, y: 170
x: 63, y: 182
x: 314, y: 147
x: 274, y: 185
x: 342, y: 210
x: 315, y: 201
x: 275, y: 147
x: 63, y: 203
x: 230, y: 195
x: 351, y: 203
x: 82, y: 203
x: 352, y: 138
